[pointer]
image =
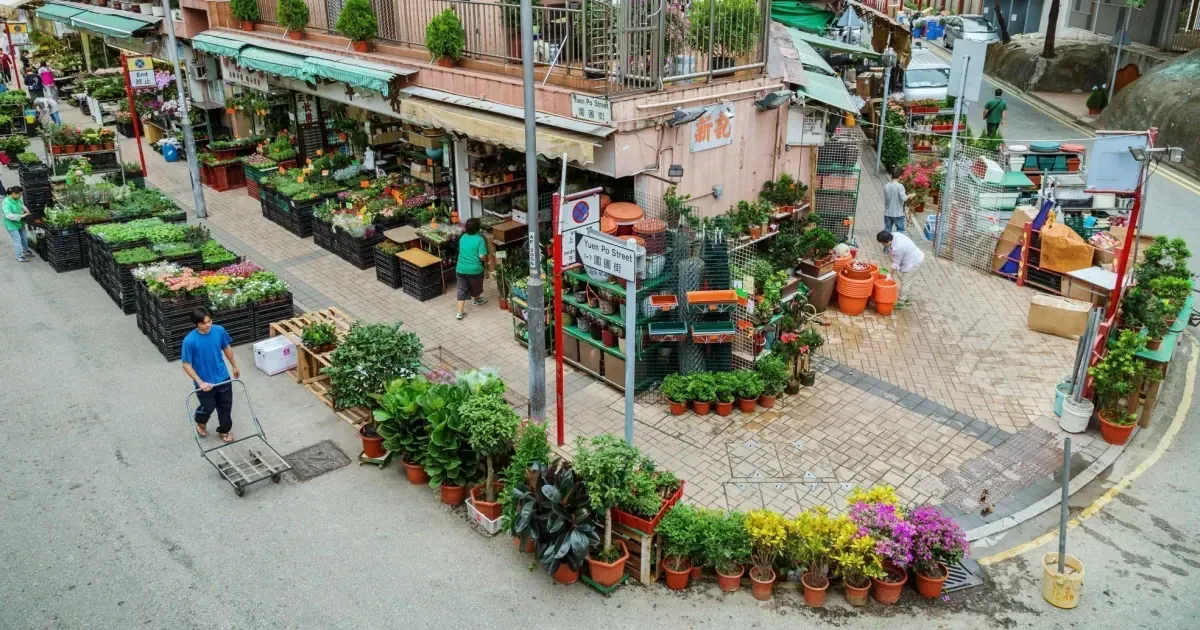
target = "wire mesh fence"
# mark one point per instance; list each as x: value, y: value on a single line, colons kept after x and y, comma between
x: 838, y: 178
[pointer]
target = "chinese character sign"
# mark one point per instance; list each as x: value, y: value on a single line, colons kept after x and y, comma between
x: 306, y: 108
x: 600, y: 253
x: 713, y: 129
x: 141, y: 72
x: 591, y: 108
x: 237, y: 75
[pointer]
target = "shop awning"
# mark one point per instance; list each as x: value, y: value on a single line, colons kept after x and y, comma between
x: 351, y: 72
x: 816, y: 41
x: 58, y: 13
x: 802, y: 15
x: 828, y: 90
x: 12, y: 4
x: 496, y: 129
x: 108, y: 24
x: 273, y: 62
x: 217, y: 45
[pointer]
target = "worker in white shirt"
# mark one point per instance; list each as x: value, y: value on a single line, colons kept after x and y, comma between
x: 906, y: 258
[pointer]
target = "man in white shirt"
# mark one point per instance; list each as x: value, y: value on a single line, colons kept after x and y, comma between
x: 906, y: 258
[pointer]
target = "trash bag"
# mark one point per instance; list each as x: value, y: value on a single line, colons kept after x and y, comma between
x: 1064, y: 250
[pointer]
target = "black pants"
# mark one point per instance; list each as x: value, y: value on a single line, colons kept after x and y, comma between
x: 219, y: 399
x: 992, y: 128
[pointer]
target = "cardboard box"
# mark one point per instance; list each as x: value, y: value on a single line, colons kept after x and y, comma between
x: 570, y: 348
x: 1143, y: 241
x: 1059, y: 316
x: 1082, y: 291
x: 1013, y: 235
x: 614, y: 370
x: 589, y: 357
x: 275, y: 355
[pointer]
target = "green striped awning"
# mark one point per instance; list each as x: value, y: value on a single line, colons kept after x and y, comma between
x: 274, y: 62
x: 108, y: 24
x: 217, y: 45
x: 58, y: 13
x: 349, y: 71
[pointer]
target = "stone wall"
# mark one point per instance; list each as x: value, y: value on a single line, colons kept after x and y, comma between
x: 1168, y: 97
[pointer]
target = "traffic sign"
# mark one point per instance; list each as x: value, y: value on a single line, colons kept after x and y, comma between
x: 141, y: 71
x: 18, y: 33
x: 575, y: 214
x: 610, y: 254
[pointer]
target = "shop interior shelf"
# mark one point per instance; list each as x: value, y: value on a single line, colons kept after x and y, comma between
x: 519, y: 180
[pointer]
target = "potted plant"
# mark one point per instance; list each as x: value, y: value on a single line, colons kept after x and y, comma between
x: 727, y: 548
x: 768, y: 532
x: 367, y: 359
x: 372, y: 442
x: 619, y: 333
x: 608, y: 336
x: 607, y: 465
x: 246, y: 11
x: 492, y: 426
x: 401, y: 421
x: 857, y: 562
x: 774, y: 375
x: 532, y: 448
x: 450, y: 461
x: 320, y: 337
x: 808, y: 340
x: 811, y: 545
x: 784, y: 193
x: 1170, y: 288
x: 703, y: 390
x: 726, y: 384
x: 358, y: 22
x: 554, y: 511
x: 938, y: 542
x: 749, y: 388
x: 293, y: 16
x: 681, y: 539
x: 893, y: 536
x: 678, y: 390
x: 1113, y: 378
x: 1097, y: 100
x: 816, y: 251
x: 445, y: 38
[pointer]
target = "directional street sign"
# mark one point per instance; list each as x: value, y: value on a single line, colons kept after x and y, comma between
x: 608, y: 253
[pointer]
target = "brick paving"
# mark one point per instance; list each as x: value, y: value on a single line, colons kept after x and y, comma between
x: 909, y: 400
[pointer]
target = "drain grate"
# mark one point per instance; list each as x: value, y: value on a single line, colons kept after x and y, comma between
x: 962, y: 578
x: 315, y: 460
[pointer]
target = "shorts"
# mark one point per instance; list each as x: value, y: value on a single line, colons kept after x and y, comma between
x: 470, y: 285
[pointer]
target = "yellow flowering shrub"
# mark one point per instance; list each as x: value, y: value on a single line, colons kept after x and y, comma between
x: 812, y: 538
x: 768, y: 537
x: 878, y: 494
x: 855, y: 558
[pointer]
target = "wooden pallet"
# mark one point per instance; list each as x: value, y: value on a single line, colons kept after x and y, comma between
x: 644, y: 553
x: 356, y: 416
x: 309, y: 363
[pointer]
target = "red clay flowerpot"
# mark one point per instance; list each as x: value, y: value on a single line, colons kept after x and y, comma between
x: 372, y: 446
x: 56, y: 149
x: 362, y: 47
x: 755, y: 232
x: 109, y: 145
x: 889, y: 592
x: 730, y: 583
x: 696, y: 571
x: 931, y: 587
x: 762, y: 589
x: 766, y: 401
x: 608, y: 573
x: 724, y: 408
x: 526, y: 548
x: 446, y: 62
x: 489, y: 509
x: 296, y: 35
x: 1094, y: 112
x: 247, y: 25
x: 856, y: 596
x: 453, y: 495
x: 747, y: 405
x: 814, y: 589
x: 565, y: 574
x: 677, y: 408
x: 503, y: 304
x: 610, y: 338
x: 677, y: 580
x: 1114, y: 433
x: 1154, y: 344
x: 701, y: 408
x: 416, y: 473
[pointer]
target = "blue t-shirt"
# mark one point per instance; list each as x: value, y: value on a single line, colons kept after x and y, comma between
x: 203, y: 353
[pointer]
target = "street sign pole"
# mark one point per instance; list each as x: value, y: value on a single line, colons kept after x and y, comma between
x: 631, y: 312
x: 137, y: 136
x: 189, y: 140
x: 945, y: 209
x: 560, y: 419
x: 536, y: 321
x: 566, y: 225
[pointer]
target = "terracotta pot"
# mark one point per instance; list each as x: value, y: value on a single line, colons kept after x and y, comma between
x: 1094, y: 112
x: 696, y: 572
x: 677, y: 408
x: 109, y: 145
x: 747, y: 405
x: 1171, y: 321
x: 724, y: 408
x: 755, y: 232
x: 565, y: 574
x: 856, y: 596
x: 504, y: 304
x: 889, y: 592
x: 766, y: 401
x: 730, y: 583
x: 701, y: 408
x: 608, y: 573
x: 677, y: 580
x: 296, y: 35
x: 446, y: 62
x: 852, y: 305
x: 362, y: 47
x: 56, y: 149
x: 919, y: 207
x: 1114, y: 433
x: 762, y: 589
x: 526, y: 548
x: 416, y: 473
x: 372, y: 446
x: 1154, y: 344
x: 247, y: 25
x: 931, y: 587
x: 490, y: 510
x: 609, y: 338
x: 453, y: 495
x: 71, y: 148
x: 814, y: 589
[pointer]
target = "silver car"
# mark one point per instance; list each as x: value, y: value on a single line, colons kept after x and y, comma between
x: 969, y: 27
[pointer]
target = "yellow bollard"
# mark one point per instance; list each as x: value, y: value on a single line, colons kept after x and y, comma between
x: 1062, y: 590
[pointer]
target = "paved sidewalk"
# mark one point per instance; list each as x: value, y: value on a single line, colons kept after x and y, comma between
x: 939, y: 400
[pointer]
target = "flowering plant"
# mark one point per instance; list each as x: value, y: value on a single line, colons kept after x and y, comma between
x: 240, y: 270
x: 155, y: 270
x: 937, y: 539
x: 877, y: 494
x: 768, y: 535
x: 884, y: 522
x: 921, y: 179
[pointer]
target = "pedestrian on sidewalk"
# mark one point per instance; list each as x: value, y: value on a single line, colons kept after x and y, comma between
x: 995, y: 113
x: 32, y: 82
x: 6, y: 67
x: 204, y: 364
x: 47, y: 108
x: 906, y: 258
x: 472, y: 260
x: 894, y: 198
x: 14, y: 211
x: 47, y: 77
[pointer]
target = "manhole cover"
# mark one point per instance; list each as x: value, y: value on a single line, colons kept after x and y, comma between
x: 315, y: 460
x: 962, y: 578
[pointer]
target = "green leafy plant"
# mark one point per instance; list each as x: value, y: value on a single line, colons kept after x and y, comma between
x: 135, y: 256
x: 1173, y: 289
x: 702, y: 387
x: 370, y: 357
x: 735, y: 23
x: 213, y: 253
x: 445, y: 37
x: 449, y: 458
x: 682, y: 531
x: 607, y: 465
x: 855, y: 559
x: 774, y: 374
x: 554, y: 511
x: 1113, y: 376
x: 29, y: 157
x: 817, y: 243
x: 726, y: 384
x: 811, y: 542
x: 1098, y: 99
x: 749, y: 384
x: 293, y: 14
x: 677, y: 388
x: 318, y: 335
x: 491, y: 427
x: 769, y: 534
x: 726, y: 543
x: 532, y: 448
x: 400, y: 419
x: 357, y: 21
x: 895, y: 149
x: 1164, y: 257
x: 245, y: 10
x: 784, y: 191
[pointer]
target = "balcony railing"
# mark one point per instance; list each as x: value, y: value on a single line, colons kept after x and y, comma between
x: 623, y: 45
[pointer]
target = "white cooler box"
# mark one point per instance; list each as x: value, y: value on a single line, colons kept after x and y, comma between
x: 275, y: 355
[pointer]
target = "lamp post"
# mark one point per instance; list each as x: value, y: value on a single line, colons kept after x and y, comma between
x: 535, y: 320
x: 889, y: 60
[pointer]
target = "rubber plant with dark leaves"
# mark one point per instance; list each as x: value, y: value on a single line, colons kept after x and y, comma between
x: 491, y: 427
x: 400, y: 420
x: 607, y: 465
x: 553, y: 510
x: 532, y: 448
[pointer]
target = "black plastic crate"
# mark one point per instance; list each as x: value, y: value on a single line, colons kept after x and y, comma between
x: 422, y: 293
x: 266, y: 313
x: 387, y: 269
x: 358, y: 251
x: 323, y: 236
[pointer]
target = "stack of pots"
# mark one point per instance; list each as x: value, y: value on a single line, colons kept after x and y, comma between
x: 608, y: 226
x: 885, y: 294
x: 626, y: 215
x: 855, y: 285
x: 653, y: 233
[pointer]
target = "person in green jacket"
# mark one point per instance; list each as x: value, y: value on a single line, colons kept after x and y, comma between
x: 995, y: 113
x: 14, y: 212
x: 472, y: 258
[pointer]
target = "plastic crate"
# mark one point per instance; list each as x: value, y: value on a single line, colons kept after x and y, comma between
x: 491, y: 527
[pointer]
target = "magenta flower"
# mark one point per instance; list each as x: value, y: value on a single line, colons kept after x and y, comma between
x: 937, y: 539
x: 893, y: 535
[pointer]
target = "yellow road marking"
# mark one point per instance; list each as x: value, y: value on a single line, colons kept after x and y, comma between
x: 1163, y: 444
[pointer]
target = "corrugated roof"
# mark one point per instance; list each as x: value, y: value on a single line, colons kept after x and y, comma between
x: 274, y: 62
x: 58, y: 13
x: 108, y: 24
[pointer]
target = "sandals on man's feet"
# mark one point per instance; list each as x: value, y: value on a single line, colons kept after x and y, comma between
x: 201, y: 431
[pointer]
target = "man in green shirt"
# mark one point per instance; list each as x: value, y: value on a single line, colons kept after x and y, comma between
x: 14, y: 211
x: 472, y: 256
x: 995, y: 113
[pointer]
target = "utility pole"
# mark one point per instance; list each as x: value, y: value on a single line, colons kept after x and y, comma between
x: 950, y: 174
x: 889, y: 60
x: 535, y: 320
x: 1112, y: 84
x: 189, y: 140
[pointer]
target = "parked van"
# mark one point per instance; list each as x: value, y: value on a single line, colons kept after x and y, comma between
x: 927, y: 76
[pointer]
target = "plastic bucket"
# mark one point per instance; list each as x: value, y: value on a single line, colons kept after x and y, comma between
x: 1075, y: 415
x: 1061, y: 391
x: 1062, y: 589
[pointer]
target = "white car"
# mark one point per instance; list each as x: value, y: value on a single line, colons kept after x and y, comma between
x: 969, y: 27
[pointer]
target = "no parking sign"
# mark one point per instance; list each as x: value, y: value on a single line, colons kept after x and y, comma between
x: 577, y: 212
x: 141, y: 71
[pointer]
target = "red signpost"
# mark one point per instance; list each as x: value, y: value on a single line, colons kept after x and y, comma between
x: 133, y: 115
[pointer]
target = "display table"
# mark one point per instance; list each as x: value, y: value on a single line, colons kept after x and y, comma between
x: 1093, y: 284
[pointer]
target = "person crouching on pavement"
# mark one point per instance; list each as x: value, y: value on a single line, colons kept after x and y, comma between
x: 906, y: 258
x: 204, y: 364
